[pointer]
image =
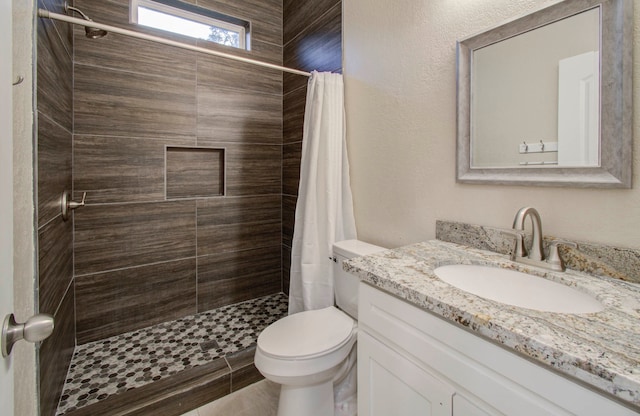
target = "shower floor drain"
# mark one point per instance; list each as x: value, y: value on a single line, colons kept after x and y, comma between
x: 114, y: 365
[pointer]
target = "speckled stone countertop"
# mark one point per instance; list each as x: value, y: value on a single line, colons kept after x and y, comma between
x: 600, y: 349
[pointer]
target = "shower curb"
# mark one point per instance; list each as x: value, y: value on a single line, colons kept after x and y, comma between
x: 181, y: 392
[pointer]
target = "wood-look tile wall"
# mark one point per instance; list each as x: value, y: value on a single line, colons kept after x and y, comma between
x: 111, y: 107
x: 55, y: 236
x: 150, y: 247
x: 312, y: 39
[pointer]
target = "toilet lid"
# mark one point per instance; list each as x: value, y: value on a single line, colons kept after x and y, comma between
x: 306, y: 334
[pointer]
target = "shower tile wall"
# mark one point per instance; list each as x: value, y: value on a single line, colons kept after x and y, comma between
x: 107, y: 109
x: 55, y: 236
x: 312, y: 38
x: 142, y: 257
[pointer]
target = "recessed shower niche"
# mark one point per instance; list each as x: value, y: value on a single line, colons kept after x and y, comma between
x: 192, y: 172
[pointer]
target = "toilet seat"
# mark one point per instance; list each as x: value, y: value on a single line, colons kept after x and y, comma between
x: 307, y: 335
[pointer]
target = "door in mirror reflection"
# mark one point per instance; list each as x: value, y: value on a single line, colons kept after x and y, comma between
x: 578, y: 109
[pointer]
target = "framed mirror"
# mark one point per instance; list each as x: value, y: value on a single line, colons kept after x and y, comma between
x: 546, y: 99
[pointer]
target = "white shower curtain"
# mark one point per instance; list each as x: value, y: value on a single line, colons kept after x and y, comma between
x: 324, y: 211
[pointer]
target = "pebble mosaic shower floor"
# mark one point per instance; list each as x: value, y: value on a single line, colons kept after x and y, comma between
x: 110, y: 366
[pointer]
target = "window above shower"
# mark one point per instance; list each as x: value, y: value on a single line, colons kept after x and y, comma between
x: 193, y: 21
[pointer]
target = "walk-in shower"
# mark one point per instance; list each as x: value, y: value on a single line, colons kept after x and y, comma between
x: 191, y: 180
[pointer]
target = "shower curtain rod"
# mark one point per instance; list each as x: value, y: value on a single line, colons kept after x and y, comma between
x: 47, y: 14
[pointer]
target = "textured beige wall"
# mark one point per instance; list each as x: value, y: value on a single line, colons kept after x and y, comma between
x: 400, y: 76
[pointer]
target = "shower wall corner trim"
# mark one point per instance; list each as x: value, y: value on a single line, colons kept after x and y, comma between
x: 56, y: 16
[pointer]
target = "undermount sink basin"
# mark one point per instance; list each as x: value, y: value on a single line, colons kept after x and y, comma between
x: 518, y: 289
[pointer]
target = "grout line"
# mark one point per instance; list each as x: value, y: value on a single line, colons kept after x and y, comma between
x: 304, y: 86
x: 64, y: 295
x: 55, y: 27
x: 195, y: 198
x: 73, y: 164
x: 125, y: 71
x: 304, y: 30
x: 179, y: 140
x: 197, y: 83
x: 196, y: 253
x: 59, y: 215
x: 52, y: 121
x: 134, y: 267
x: 158, y: 138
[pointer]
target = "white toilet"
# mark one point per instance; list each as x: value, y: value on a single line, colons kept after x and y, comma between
x: 307, y: 352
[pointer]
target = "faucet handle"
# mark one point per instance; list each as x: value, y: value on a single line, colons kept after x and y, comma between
x: 554, y: 259
x: 518, y: 249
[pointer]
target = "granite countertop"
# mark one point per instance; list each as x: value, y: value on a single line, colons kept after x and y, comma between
x: 600, y: 349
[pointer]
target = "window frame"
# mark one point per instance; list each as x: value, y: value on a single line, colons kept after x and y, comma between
x: 196, y: 14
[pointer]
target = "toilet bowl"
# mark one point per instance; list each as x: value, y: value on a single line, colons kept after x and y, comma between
x: 306, y: 353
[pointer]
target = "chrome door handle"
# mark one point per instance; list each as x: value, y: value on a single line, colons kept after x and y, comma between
x: 35, y: 329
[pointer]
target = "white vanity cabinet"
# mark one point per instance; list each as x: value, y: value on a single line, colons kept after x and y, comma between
x: 397, y: 386
x: 411, y: 362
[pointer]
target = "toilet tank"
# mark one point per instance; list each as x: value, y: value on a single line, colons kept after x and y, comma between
x: 345, y: 285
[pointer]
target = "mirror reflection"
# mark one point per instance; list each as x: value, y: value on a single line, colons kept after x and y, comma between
x: 535, y: 97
